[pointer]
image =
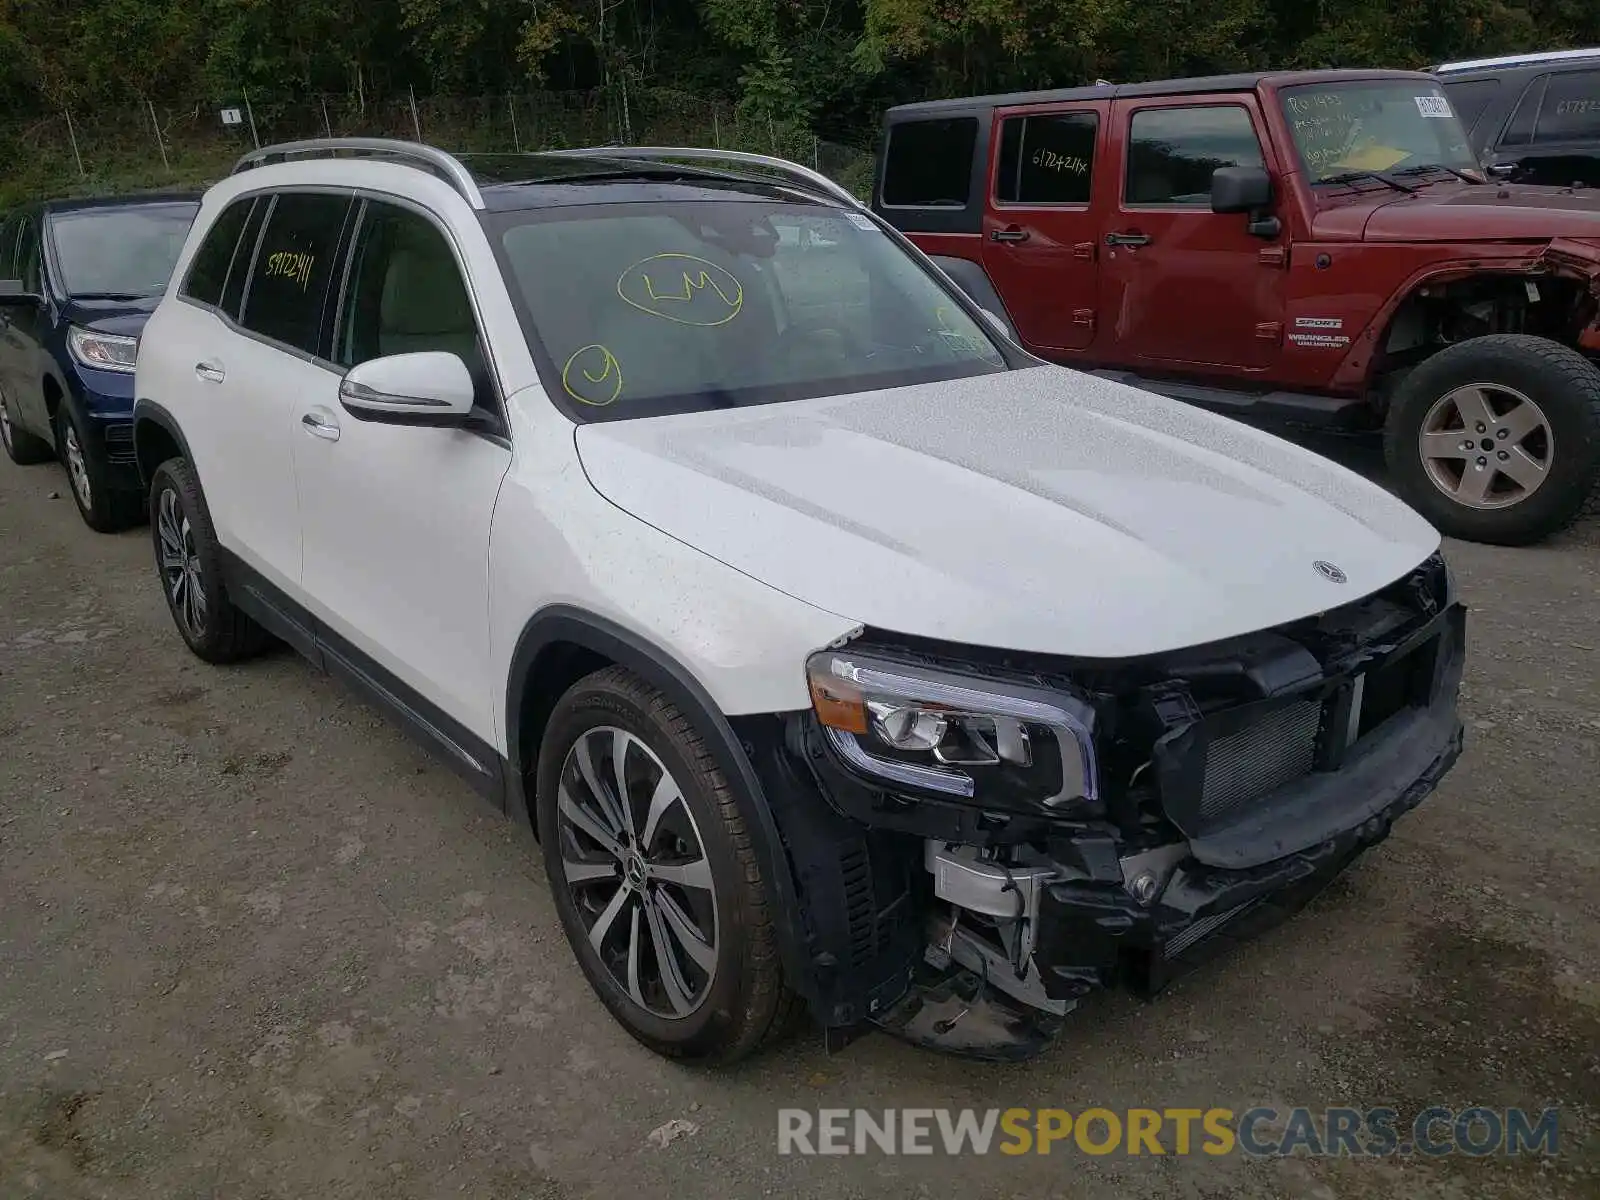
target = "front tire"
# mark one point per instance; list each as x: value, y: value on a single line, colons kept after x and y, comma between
x: 189, y: 566
x: 21, y: 447
x: 655, y: 875
x: 102, y: 509
x: 1497, y: 439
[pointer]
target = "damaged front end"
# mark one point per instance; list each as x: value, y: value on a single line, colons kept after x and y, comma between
x: 1004, y: 834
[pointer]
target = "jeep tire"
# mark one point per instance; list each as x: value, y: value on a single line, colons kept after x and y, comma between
x: 1497, y: 439
x: 189, y: 566
x: 657, y: 882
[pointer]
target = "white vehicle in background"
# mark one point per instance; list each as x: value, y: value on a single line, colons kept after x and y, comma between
x: 840, y: 653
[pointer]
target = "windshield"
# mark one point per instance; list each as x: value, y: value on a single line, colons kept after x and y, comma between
x: 1383, y: 126
x: 653, y: 308
x: 120, y: 251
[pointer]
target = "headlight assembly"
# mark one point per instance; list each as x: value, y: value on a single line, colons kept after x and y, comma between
x: 103, y: 351
x: 989, y: 742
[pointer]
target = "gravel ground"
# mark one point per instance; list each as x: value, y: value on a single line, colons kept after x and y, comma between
x: 254, y: 943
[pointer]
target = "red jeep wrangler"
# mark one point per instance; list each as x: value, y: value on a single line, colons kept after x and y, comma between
x: 1322, y: 247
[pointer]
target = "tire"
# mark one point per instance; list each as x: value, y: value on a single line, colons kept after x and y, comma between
x: 206, y: 619
x: 102, y: 509
x: 721, y: 1003
x: 21, y: 447
x: 1508, y: 372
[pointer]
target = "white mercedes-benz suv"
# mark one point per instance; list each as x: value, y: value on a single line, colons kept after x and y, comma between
x: 839, y: 654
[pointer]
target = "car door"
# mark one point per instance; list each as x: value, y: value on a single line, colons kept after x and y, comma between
x: 396, y: 518
x: 1040, y: 230
x: 1183, y: 288
x: 255, y: 358
x: 23, y: 336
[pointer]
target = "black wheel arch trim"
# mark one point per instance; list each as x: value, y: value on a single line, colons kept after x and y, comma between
x: 563, y: 623
x: 149, y: 410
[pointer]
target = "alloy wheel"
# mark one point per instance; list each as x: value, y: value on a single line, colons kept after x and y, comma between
x: 180, y: 565
x: 1486, y: 446
x: 636, y: 869
x: 77, y: 469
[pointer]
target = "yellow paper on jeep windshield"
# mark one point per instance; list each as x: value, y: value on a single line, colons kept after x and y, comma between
x: 1371, y: 158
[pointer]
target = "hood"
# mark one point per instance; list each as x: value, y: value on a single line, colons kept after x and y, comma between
x: 1038, y: 510
x: 1464, y: 212
x: 111, y: 316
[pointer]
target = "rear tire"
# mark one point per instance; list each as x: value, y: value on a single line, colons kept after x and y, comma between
x: 21, y: 447
x: 1497, y: 439
x: 189, y: 566
x: 681, y: 871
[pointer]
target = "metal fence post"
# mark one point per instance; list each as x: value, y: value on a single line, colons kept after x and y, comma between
x: 326, y: 124
x: 72, y: 136
x: 251, y: 113
x: 716, y: 129
x: 156, y: 125
x: 511, y: 107
x: 416, y: 122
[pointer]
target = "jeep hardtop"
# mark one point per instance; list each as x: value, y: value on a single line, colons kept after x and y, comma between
x: 1322, y: 246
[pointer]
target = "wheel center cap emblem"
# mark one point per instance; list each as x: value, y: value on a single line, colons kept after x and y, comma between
x: 633, y: 869
x: 1330, y: 572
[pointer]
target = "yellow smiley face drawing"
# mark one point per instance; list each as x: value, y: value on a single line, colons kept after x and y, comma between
x: 592, y: 376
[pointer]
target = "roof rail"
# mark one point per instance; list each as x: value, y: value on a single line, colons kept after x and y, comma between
x: 793, y: 171
x: 412, y: 154
x: 1516, y: 60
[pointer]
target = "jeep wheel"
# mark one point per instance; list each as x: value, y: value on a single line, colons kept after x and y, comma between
x: 654, y: 875
x: 1498, y: 439
x: 189, y: 564
x: 21, y: 446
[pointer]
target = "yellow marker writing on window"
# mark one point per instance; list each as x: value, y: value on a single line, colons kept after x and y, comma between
x: 682, y: 288
x: 592, y: 376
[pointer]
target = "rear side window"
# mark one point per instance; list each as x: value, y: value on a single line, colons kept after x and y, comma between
x: 209, y: 272
x: 928, y: 164
x: 243, y: 258
x: 1571, y: 108
x: 1470, y: 98
x: 1173, y: 151
x: 1047, y: 159
x: 293, y: 265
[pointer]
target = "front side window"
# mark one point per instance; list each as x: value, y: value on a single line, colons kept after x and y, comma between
x: 1571, y: 108
x: 120, y: 252
x: 405, y: 293
x: 208, y: 273
x: 1172, y: 152
x: 1047, y: 159
x: 694, y: 306
x: 1351, y: 128
x: 29, y: 257
x: 293, y: 265
x: 928, y: 164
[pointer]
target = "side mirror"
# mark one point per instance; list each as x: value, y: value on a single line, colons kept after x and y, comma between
x: 1240, y: 190
x: 13, y: 292
x: 430, y: 388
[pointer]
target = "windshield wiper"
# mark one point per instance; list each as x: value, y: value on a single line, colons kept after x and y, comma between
x: 1441, y: 167
x: 1352, y: 176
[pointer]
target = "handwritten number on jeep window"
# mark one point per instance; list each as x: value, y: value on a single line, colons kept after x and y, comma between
x: 1047, y: 159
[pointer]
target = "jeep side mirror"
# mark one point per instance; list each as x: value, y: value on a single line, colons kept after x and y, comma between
x: 12, y: 292
x: 1240, y: 190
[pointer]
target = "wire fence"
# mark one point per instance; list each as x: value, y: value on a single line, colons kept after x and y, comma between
x: 151, y: 144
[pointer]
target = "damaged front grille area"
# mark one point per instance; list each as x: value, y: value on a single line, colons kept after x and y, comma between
x: 1265, y: 755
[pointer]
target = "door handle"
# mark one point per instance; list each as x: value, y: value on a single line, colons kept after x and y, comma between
x: 209, y: 371
x: 1009, y: 235
x: 1127, y: 239
x: 320, y: 423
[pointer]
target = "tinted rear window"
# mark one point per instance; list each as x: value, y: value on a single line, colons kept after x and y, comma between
x: 1047, y: 159
x: 293, y: 266
x: 1571, y: 108
x: 929, y: 163
x: 209, y: 271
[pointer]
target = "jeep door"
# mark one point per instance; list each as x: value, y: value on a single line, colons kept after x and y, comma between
x: 1183, y: 288
x: 396, y: 517
x: 1040, y: 229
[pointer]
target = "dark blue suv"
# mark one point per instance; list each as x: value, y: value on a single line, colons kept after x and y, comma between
x: 78, y: 280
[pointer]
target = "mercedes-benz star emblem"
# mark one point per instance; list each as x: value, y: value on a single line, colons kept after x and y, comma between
x: 1330, y: 572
